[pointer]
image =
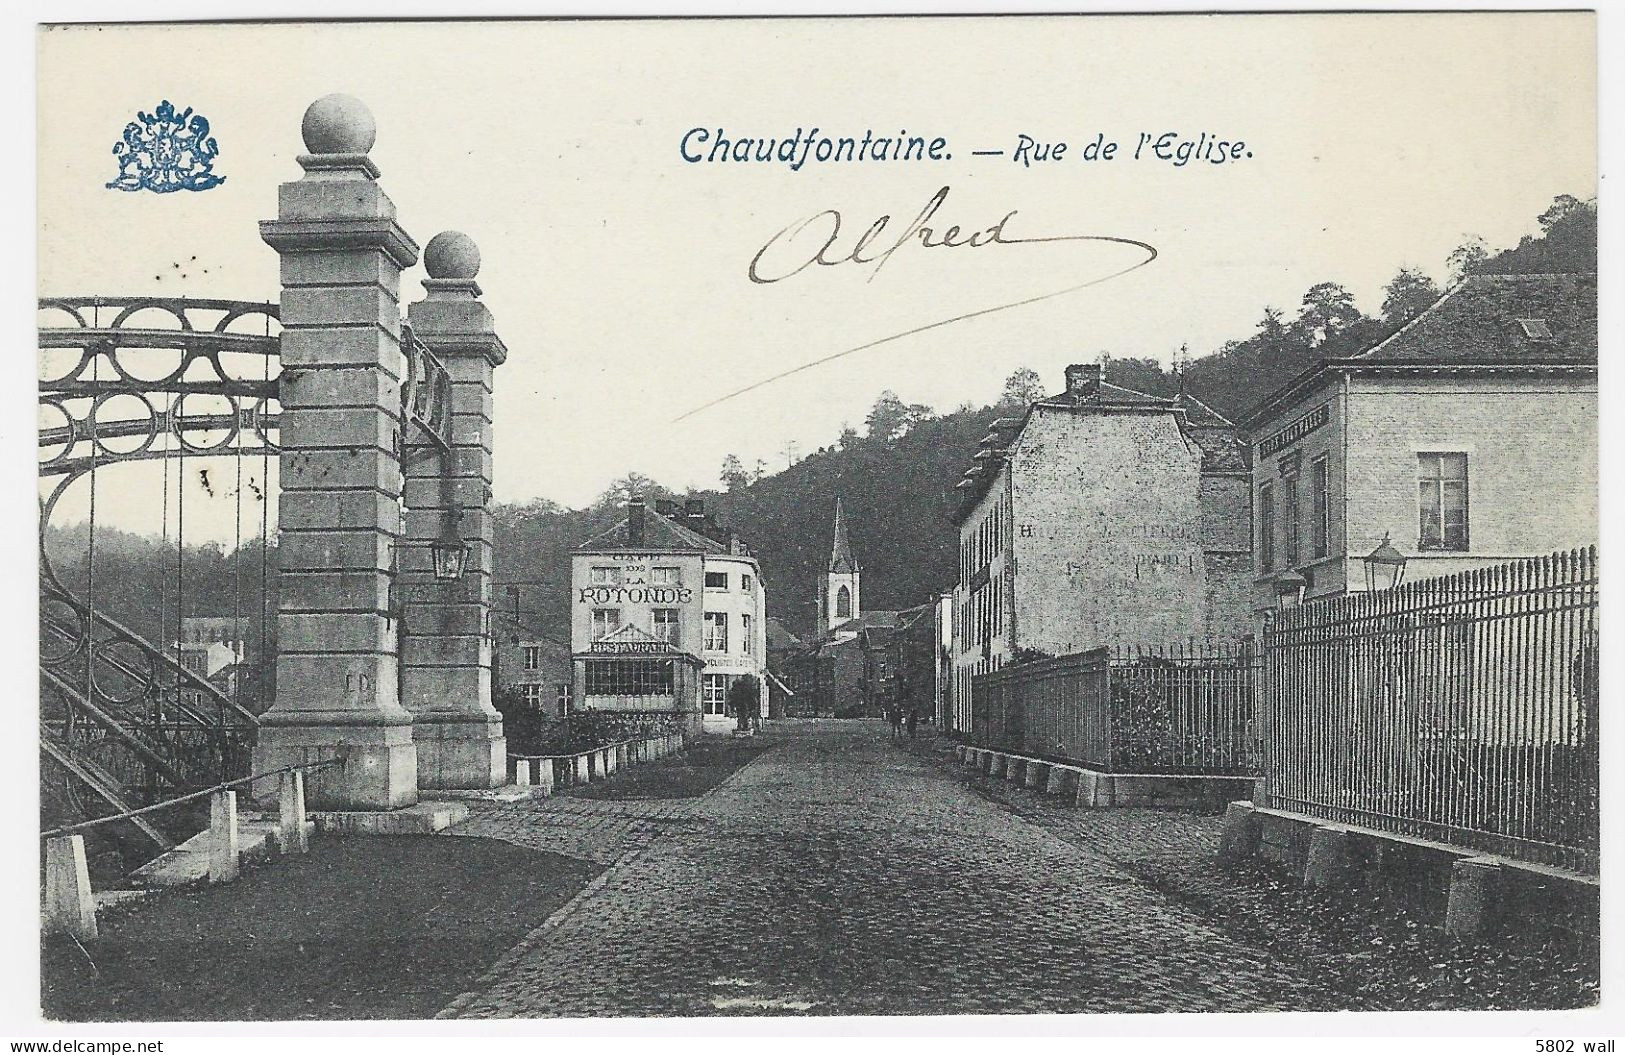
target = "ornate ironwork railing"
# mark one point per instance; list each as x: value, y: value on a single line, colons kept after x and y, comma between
x: 101, y: 375
x: 425, y: 400
x: 129, y: 379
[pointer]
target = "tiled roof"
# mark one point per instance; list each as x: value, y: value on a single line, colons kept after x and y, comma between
x: 659, y: 533
x: 1501, y: 320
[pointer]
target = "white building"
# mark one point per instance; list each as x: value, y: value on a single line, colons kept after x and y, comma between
x: 667, y: 612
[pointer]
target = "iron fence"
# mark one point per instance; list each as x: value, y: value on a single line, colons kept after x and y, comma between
x: 1184, y: 709
x: 1134, y: 710
x: 1462, y: 709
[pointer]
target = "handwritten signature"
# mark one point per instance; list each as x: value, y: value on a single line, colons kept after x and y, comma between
x: 786, y: 255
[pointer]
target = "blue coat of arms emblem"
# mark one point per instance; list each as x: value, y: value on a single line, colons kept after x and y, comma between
x: 166, y: 151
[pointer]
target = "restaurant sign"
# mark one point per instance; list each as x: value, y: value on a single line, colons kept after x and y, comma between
x: 632, y: 647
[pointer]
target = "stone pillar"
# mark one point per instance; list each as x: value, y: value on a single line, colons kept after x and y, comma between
x: 446, y: 645
x: 70, y: 906
x: 337, y: 678
x: 1473, y: 907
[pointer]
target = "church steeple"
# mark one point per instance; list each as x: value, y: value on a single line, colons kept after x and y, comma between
x: 838, y: 596
x: 840, y: 553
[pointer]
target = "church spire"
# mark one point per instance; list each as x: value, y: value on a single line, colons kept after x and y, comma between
x: 840, y: 553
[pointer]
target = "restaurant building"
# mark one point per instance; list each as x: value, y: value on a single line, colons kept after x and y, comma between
x: 666, y: 613
x: 1467, y: 438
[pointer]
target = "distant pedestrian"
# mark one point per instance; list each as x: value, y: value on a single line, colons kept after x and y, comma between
x: 913, y: 721
x: 896, y: 716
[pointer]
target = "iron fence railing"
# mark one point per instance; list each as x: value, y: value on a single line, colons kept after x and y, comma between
x: 1184, y: 709
x: 1462, y: 709
x: 1141, y: 710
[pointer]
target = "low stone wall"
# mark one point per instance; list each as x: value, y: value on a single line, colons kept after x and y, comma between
x: 1092, y: 789
x: 1471, y: 894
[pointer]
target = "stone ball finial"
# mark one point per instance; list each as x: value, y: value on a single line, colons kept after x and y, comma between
x: 338, y: 124
x: 451, y: 254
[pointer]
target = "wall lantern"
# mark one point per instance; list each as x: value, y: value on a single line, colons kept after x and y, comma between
x: 1289, y: 587
x: 1384, y: 566
x: 449, y: 552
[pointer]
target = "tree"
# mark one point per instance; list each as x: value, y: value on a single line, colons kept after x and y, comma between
x: 1141, y: 375
x: 887, y: 418
x: 733, y: 473
x: 1022, y: 388
x: 632, y: 485
x: 1466, y: 257
x: 849, y: 436
x: 760, y: 471
x: 1407, y: 295
x: 1327, y: 311
x: 916, y: 413
x: 1564, y: 207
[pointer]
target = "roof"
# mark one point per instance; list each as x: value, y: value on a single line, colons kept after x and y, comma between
x: 659, y: 534
x: 630, y: 639
x: 1222, y: 447
x: 840, y: 553
x: 1107, y: 394
x: 1479, y: 325
x: 853, y: 629
x: 1481, y: 321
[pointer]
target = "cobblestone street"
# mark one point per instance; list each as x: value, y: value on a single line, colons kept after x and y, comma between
x: 839, y: 874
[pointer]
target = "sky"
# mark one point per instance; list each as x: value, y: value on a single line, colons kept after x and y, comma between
x: 618, y: 273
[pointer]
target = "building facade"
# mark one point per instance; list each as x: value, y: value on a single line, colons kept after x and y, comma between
x: 1102, y: 516
x: 665, y: 616
x: 1467, y: 438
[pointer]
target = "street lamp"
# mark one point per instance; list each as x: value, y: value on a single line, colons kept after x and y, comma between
x: 1384, y: 566
x: 448, y: 552
x: 1289, y: 587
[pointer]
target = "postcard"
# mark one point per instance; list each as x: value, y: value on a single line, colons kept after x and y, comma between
x: 817, y: 517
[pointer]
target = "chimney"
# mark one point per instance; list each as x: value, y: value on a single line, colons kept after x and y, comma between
x: 1083, y: 380
x: 634, y: 522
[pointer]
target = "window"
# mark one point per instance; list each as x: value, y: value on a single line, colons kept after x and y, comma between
x: 629, y: 677
x: 714, y: 693
x: 716, y: 580
x: 562, y: 696
x: 1442, y: 487
x: 1290, y: 518
x: 744, y: 634
x: 745, y: 583
x: 1320, y: 483
x: 843, y: 603
x: 606, y: 576
x: 1266, y: 527
x: 532, y: 693
x: 605, y: 621
x: 668, y: 577
x: 533, y: 657
x: 716, y: 631
x: 665, y: 625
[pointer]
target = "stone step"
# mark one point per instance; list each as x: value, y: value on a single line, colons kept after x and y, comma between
x: 189, y: 862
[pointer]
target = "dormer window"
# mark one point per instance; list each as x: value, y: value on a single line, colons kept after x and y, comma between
x: 1535, y: 329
